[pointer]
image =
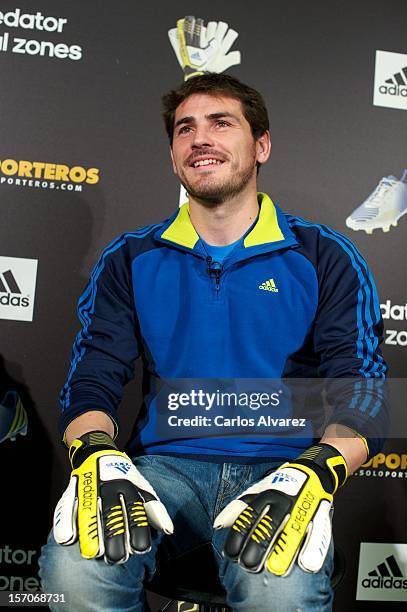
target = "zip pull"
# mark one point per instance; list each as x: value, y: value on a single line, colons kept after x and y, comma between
x: 214, y: 269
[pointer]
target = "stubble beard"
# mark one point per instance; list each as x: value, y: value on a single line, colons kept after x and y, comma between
x: 212, y: 194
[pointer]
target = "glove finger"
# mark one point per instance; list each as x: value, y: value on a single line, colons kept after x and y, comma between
x: 316, y: 546
x: 158, y: 516
x: 272, y: 509
x: 89, y: 526
x: 114, y: 518
x: 189, y: 25
x: 221, y: 63
x: 174, y: 40
x: 229, y: 514
x: 239, y: 536
x: 289, y: 542
x: 182, y: 43
x: 155, y: 510
x: 221, y: 30
x: 240, y: 531
x: 228, y: 41
x: 203, y: 39
x: 284, y: 553
x: 65, y: 515
x: 308, y: 499
x: 196, y: 35
x: 211, y: 31
x: 139, y: 529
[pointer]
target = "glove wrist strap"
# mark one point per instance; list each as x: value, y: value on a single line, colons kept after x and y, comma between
x: 328, y: 463
x: 91, y: 442
x: 191, y: 72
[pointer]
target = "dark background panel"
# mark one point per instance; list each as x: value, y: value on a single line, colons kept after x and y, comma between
x: 314, y: 63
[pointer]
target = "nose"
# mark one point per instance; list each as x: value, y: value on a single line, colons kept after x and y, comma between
x: 202, y: 137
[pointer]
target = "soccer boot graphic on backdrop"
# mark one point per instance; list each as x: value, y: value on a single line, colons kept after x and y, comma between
x: 383, y: 208
x: 13, y: 417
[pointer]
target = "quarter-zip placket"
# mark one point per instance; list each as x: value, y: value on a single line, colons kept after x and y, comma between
x: 214, y: 271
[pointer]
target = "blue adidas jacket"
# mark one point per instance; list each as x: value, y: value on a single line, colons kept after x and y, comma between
x: 150, y: 295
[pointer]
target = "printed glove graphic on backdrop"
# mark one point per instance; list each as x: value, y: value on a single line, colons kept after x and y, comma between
x: 286, y: 516
x: 108, y: 504
x: 13, y: 417
x: 202, y: 49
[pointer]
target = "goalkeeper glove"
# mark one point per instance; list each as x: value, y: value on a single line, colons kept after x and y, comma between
x: 286, y: 515
x: 201, y: 49
x: 107, y: 502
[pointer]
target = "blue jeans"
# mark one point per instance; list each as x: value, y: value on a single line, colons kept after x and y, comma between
x: 194, y: 492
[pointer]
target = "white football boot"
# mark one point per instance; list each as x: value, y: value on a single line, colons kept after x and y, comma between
x: 383, y: 208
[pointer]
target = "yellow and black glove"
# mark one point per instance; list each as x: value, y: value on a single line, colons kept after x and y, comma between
x: 286, y: 516
x: 108, y: 503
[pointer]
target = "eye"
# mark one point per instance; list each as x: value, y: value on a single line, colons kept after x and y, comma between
x: 184, y: 129
x: 222, y: 123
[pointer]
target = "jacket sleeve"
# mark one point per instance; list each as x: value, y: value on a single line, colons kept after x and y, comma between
x: 106, y: 347
x: 348, y: 333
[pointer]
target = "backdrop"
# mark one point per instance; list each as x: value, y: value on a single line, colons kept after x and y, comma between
x: 84, y: 157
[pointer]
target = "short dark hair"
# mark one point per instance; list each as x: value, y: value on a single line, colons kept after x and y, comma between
x: 253, y: 106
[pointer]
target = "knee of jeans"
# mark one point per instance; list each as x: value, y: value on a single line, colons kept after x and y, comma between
x: 64, y: 570
x: 252, y: 595
x: 260, y: 592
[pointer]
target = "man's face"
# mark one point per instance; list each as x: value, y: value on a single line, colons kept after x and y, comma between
x: 214, y: 152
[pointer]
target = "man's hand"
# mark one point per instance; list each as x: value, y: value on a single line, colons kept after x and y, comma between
x: 201, y: 49
x: 286, y: 515
x: 108, y: 503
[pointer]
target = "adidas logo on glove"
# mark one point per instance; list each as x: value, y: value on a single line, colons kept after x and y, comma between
x: 121, y: 466
x: 282, y: 477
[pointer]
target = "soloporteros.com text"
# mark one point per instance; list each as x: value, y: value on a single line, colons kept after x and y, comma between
x: 208, y: 401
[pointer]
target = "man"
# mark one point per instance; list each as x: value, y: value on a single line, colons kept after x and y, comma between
x: 228, y: 288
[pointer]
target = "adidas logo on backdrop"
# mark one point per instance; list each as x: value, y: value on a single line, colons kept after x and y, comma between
x: 398, y: 79
x: 18, y: 279
x: 390, y: 85
x: 386, y: 575
x: 382, y: 574
x: 9, y: 286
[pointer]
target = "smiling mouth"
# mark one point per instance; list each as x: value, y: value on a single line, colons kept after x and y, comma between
x: 206, y: 162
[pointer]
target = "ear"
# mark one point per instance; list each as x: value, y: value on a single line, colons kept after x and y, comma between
x: 174, y: 167
x: 263, y: 147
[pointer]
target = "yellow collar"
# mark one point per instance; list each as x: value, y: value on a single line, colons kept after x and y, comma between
x: 267, y: 229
